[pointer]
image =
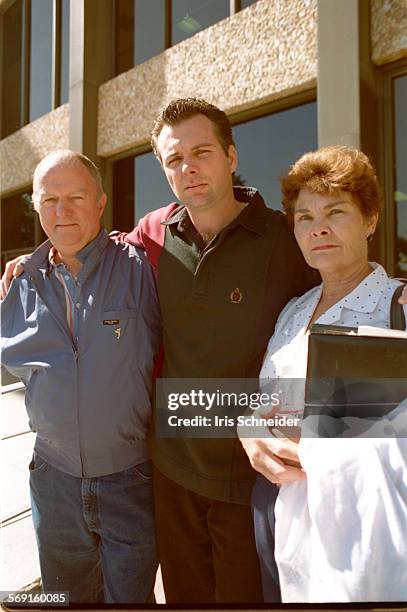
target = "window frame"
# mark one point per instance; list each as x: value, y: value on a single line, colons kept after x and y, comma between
x: 56, y: 35
x: 387, y: 163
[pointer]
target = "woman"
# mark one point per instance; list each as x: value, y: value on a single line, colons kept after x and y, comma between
x: 341, y: 510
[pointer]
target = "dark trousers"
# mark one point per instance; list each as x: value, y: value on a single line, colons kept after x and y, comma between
x: 263, y: 501
x: 206, y: 547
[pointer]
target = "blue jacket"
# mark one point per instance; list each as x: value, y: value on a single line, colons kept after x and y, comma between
x: 89, y: 403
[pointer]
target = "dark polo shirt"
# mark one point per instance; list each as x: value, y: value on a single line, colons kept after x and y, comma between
x: 219, y: 304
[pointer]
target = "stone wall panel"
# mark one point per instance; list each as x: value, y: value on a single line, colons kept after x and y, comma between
x: 265, y: 52
x: 20, y: 152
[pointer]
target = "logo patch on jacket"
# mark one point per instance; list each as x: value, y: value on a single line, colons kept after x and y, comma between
x: 236, y: 296
x: 111, y: 321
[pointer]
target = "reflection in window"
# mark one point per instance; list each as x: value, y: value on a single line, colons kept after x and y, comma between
x: 139, y: 186
x: 17, y: 225
x: 124, y: 35
x: 40, y: 59
x: 140, y: 31
x: 28, y: 42
x: 400, y: 196
x: 64, y: 90
x: 246, y: 3
x: 269, y: 145
x: 151, y: 187
x: 149, y: 29
x: 192, y: 16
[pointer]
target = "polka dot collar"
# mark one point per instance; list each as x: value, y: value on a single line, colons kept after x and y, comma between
x: 364, y: 298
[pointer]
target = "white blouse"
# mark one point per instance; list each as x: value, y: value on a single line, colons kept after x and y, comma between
x: 341, y: 535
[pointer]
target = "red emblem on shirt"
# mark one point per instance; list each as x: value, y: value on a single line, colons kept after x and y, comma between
x: 236, y: 296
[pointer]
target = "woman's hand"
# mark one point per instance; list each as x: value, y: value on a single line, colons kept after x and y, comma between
x: 403, y: 296
x: 275, y: 458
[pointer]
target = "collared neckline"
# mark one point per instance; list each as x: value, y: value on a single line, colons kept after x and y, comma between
x: 100, y: 243
x: 364, y: 298
x: 253, y: 217
x: 89, y: 254
x: 180, y: 217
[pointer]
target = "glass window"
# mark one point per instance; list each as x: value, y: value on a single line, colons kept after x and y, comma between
x: 124, y: 35
x: 149, y: 29
x: 269, y: 145
x: 151, y: 187
x: 40, y: 59
x: 64, y: 91
x: 192, y: 16
x: 28, y: 36
x: 400, y: 195
x: 246, y: 3
x: 11, y: 77
x: 139, y: 186
x: 17, y: 225
x: 140, y: 31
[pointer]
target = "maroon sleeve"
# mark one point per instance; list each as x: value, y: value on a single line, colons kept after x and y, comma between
x: 149, y: 233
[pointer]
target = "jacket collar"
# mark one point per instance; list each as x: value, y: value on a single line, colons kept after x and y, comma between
x: 88, y: 256
x: 253, y: 217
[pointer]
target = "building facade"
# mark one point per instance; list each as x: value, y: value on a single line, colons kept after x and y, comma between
x: 291, y: 74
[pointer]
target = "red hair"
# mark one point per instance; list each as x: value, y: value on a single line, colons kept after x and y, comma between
x: 330, y: 170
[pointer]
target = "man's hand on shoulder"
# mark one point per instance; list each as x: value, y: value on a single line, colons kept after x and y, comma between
x: 117, y: 236
x: 13, y: 269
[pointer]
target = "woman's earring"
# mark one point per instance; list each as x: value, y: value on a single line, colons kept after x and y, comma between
x: 369, y: 237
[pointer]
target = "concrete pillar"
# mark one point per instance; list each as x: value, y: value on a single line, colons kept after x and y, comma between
x: 347, y: 105
x: 347, y: 87
x: 91, y: 63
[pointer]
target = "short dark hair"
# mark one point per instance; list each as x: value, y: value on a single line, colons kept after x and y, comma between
x: 180, y: 109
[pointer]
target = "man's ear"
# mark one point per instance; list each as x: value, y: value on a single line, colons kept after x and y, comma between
x: 34, y: 202
x: 232, y: 157
x: 102, y: 203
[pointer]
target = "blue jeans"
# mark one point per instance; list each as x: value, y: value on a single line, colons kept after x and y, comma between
x: 264, y: 497
x: 95, y: 536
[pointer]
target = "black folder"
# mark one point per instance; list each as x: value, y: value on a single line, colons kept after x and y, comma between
x: 353, y: 375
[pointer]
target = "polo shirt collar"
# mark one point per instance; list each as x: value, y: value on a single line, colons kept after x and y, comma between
x: 253, y: 217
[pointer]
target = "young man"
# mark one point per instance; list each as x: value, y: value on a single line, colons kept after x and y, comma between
x: 226, y: 265
x: 81, y: 327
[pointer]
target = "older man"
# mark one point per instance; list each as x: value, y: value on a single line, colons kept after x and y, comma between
x: 81, y: 327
